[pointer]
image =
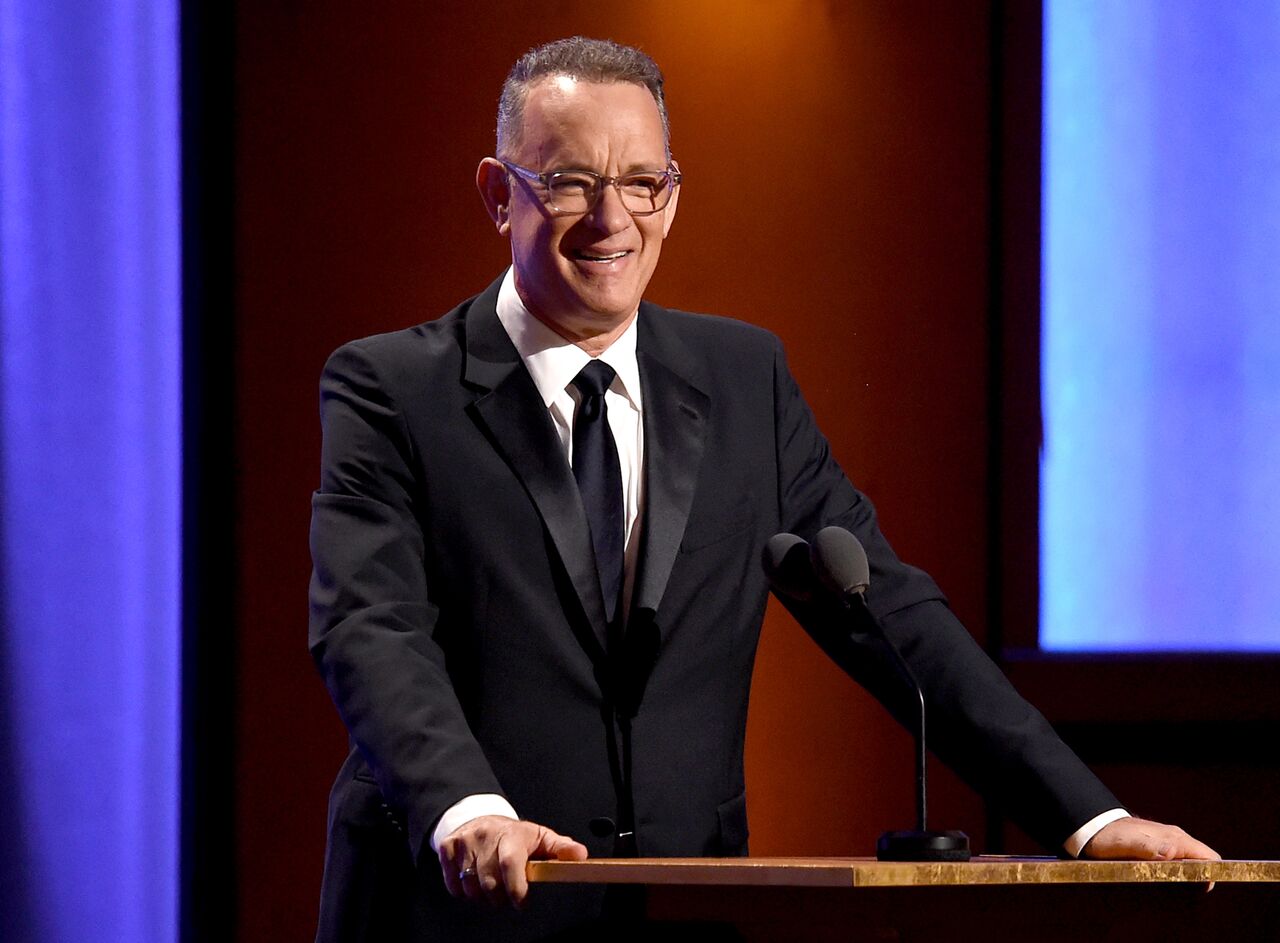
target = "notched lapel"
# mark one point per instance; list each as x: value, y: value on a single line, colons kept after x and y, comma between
x: 517, y: 423
x: 675, y: 418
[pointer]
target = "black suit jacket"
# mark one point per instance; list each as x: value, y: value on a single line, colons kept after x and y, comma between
x: 457, y: 620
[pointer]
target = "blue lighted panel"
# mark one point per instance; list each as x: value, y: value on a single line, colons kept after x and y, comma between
x: 1160, y: 478
x: 89, y: 469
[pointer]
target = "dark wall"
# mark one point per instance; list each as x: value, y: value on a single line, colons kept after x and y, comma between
x: 863, y: 128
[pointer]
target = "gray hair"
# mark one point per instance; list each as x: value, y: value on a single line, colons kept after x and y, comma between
x: 589, y: 60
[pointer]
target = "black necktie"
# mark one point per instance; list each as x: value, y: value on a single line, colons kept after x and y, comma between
x: 595, y: 465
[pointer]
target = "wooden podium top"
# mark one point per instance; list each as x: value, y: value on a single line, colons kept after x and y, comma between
x: 868, y: 872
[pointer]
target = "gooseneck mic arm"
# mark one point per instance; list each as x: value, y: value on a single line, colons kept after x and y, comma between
x: 840, y: 564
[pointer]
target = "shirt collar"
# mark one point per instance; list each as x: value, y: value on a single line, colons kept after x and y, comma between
x: 551, y: 360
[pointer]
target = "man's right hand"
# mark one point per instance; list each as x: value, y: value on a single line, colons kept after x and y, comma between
x: 485, y: 858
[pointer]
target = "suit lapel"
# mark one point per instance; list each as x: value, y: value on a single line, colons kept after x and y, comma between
x: 511, y: 411
x: 675, y: 417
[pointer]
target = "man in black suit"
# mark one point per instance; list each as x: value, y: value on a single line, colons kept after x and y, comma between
x: 537, y: 587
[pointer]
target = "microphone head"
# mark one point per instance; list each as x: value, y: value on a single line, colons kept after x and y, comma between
x: 786, y: 564
x: 840, y: 562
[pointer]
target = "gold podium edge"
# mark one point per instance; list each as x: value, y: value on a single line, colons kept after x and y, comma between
x: 868, y: 872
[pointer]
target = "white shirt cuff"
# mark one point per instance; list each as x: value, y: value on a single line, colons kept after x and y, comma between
x: 468, y: 808
x: 1080, y: 837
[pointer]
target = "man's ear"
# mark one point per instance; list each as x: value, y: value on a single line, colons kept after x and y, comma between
x: 495, y: 189
x: 669, y: 211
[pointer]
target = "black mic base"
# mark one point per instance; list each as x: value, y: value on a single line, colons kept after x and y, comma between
x: 923, y: 846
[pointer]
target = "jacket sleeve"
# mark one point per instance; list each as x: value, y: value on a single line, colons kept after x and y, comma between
x: 372, y: 619
x: 977, y: 723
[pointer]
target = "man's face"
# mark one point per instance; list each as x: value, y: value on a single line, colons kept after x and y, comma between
x: 585, y: 274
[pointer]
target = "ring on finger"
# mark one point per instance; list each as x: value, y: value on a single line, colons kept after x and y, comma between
x: 466, y: 873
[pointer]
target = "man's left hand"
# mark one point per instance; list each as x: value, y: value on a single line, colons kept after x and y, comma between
x: 1145, y: 840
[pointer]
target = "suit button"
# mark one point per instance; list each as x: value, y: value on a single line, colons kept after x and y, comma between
x: 602, y: 827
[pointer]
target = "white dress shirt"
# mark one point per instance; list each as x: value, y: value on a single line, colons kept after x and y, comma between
x: 553, y: 362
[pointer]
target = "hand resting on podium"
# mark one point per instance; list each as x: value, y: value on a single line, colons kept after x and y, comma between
x: 1146, y: 840
x: 485, y: 858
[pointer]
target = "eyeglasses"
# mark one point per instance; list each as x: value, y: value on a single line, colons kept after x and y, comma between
x: 570, y: 192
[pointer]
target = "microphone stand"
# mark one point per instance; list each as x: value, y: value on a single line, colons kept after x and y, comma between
x: 918, y: 844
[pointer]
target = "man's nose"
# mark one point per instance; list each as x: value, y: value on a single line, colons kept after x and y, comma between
x: 609, y: 215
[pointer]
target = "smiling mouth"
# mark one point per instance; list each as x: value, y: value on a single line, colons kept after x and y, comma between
x: 585, y: 256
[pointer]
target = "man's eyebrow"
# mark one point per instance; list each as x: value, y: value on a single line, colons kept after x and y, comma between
x: 635, y: 167
x: 645, y: 168
x: 638, y: 168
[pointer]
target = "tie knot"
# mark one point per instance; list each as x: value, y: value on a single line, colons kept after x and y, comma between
x: 594, y: 378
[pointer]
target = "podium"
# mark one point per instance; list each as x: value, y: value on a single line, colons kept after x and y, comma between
x: 989, y: 898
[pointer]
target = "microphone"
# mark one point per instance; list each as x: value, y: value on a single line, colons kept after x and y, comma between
x: 839, y: 562
x: 787, y: 566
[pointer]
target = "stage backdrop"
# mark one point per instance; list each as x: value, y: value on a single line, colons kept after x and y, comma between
x: 1160, y: 522
x: 90, y: 470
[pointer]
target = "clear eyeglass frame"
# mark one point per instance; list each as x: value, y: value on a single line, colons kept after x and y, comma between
x: 641, y: 194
